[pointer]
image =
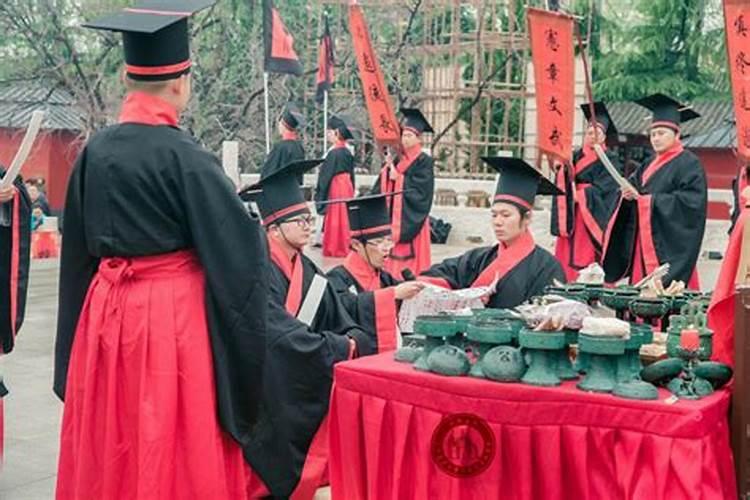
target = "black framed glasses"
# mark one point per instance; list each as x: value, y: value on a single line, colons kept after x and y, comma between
x: 302, y: 222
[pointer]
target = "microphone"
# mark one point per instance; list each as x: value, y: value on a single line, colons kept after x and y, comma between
x: 408, y: 275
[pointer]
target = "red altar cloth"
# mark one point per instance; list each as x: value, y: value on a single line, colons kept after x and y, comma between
x: 550, y: 443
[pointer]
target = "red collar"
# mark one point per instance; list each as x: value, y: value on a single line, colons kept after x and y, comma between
x: 413, y: 152
x: 361, y: 270
x: 339, y: 145
x: 147, y: 109
x: 289, y: 135
x: 662, y: 159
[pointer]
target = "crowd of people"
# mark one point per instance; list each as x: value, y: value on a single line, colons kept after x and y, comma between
x: 196, y: 341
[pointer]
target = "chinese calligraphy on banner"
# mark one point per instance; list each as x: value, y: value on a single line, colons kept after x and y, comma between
x: 551, y: 36
x: 385, y: 127
x: 737, y: 19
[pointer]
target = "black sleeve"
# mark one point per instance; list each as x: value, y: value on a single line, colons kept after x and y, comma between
x: 544, y: 276
x: 77, y: 267
x: 233, y: 251
x: 419, y: 185
x: 460, y: 272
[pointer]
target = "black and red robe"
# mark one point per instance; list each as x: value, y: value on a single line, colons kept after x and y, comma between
x: 335, y: 182
x: 288, y: 449
x: 369, y: 296
x: 581, y: 217
x: 410, y: 211
x: 159, y: 345
x: 665, y: 225
x: 15, y: 245
x: 523, y: 271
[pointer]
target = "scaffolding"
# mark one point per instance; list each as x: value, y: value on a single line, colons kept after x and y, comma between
x: 464, y: 63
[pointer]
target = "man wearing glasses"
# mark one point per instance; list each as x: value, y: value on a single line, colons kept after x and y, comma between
x: 368, y: 291
x: 309, y: 330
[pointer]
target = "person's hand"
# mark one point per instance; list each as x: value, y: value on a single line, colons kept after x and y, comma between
x: 7, y: 194
x: 629, y: 193
x: 409, y: 289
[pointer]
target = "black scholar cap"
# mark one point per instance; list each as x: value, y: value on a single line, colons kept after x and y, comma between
x: 155, y: 36
x: 293, y: 117
x: 603, y: 119
x: 667, y: 112
x: 415, y: 121
x: 279, y: 196
x: 342, y: 125
x: 519, y: 182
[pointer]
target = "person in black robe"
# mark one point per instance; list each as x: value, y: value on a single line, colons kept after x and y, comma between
x: 15, y: 245
x: 663, y: 219
x: 581, y: 216
x: 522, y: 268
x: 309, y: 331
x: 159, y: 344
x: 369, y: 292
x: 289, y: 149
x: 412, y: 174
x: 336, y: 181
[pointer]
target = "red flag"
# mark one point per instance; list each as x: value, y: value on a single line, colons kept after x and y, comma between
x: 382, y: 118
x: 325, y: 78
x: 278, y: 44
x: 551, y: 36
x: 737, y: 19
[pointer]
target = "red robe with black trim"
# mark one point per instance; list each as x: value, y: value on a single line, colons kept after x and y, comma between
x: 523, y: 271
x: 335, y: 182
x: 581, y: 216
x: 288, y: 448
x: 410, y: 211
x: 369, y: 296
x: 665, y: 225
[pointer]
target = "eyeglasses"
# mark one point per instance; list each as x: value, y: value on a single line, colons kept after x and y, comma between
x: 302, y: 222
x: 381, y: 244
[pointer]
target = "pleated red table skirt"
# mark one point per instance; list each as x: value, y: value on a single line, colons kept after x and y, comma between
x: 397, y: 433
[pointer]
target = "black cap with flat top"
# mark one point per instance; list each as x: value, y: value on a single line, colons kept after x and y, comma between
x: 415, y: 121
x: 666, y: 111
x: 519, y: 182
x: 155, y: 36
x: 369, y: 217
x: 603, y: 119
x: 341, y: 124
x: 279, y: 196
x: 293, y: 117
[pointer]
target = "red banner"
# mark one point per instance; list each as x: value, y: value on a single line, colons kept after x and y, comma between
x: 278, y: 44
x: 326, y: 59
x: 385, y: 127
x: 551, y: 35
x: 737, y: 19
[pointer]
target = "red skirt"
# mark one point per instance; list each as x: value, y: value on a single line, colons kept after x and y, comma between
x: 140, y: 418
x: 336, y: 223
x: 417, y: 261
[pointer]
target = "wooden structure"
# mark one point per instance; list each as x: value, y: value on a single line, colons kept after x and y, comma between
x: 463, y: 62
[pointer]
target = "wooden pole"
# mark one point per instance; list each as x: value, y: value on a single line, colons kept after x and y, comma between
x: 268, y: 117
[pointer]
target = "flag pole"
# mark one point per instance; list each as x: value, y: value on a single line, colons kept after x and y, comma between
x: 325, y: 122
x: 268, y: 124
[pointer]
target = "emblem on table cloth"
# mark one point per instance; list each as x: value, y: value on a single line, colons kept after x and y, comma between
x: 462, y: 445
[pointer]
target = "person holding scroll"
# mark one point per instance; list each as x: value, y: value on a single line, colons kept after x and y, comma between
x: 521, y: 267
x: 581, y: 217
x: 309, y: 331
x: 662, y: 218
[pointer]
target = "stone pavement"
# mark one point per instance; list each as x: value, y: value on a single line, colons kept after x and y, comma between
x: 33, y: 413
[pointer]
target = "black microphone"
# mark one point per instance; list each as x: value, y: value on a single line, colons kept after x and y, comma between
x: 408, y: 275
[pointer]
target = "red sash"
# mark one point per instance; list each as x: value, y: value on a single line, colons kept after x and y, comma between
x: 507, y: 259
x: 363, y: 273
x: 293, y: 270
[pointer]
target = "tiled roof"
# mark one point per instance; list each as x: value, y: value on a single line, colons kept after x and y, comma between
x: 18, y: 101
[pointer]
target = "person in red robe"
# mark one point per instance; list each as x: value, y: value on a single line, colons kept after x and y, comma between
x: 582, y: 215
x: 721, y: 310
x: 662, y: 219
x: 368, y: 291
x: 336, y: 181
x: 161, y: 329
x: 412, y: 174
